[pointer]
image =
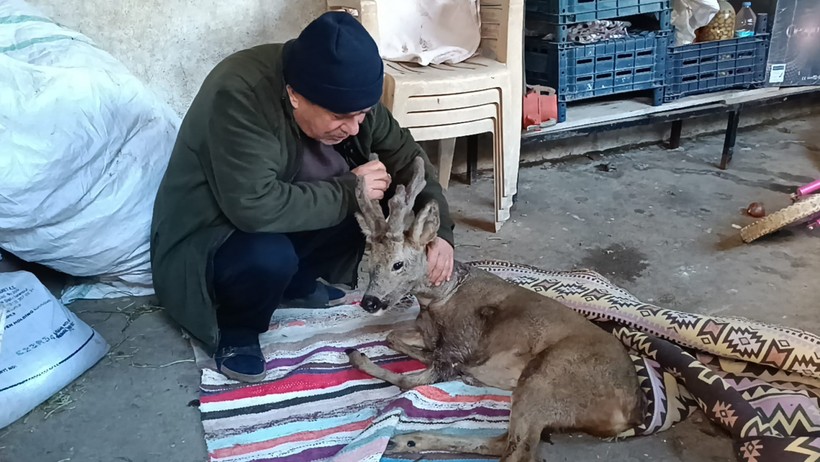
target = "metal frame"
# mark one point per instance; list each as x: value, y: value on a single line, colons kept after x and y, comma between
x: 675, y: 117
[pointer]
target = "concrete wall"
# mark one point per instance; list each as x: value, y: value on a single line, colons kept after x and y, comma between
x: 172, y: 44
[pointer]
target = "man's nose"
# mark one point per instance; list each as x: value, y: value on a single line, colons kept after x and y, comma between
x: 371, y: 304
x: 352, y: 127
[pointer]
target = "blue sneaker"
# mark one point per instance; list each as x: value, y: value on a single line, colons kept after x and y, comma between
x: 324, y: 296
x: 240, y: 357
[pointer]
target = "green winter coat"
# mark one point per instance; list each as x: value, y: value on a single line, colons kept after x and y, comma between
x: 236, y: 155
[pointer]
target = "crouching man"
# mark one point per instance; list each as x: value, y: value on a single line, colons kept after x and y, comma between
x: 257, y: 202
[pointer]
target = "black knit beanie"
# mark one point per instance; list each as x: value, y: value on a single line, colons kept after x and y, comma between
x: 335, y: 63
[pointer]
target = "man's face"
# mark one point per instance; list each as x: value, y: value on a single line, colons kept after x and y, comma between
x: 322, y: 125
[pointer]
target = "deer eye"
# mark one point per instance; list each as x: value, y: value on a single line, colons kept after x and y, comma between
x: 398, y: 265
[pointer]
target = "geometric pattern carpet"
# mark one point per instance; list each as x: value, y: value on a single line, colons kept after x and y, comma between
x: 761, y: 383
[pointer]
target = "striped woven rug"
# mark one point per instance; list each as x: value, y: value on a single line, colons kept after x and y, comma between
x: 761, y: 383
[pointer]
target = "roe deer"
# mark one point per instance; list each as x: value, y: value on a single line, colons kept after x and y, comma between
x: 565, y: 373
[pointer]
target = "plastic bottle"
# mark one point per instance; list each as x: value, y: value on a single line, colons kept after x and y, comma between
x: 746, y: 21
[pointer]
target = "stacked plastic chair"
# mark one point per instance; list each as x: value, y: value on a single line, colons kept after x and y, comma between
x: 482, y: 94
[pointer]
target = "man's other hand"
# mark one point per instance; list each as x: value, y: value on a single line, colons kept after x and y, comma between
x: 439, y: 261
x: 376, y: 179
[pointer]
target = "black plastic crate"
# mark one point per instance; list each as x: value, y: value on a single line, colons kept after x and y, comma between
x: 714, y: 66
x: 575, y: 11
x: 578, y: 72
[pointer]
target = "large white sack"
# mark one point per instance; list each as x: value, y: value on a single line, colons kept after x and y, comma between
x: 44, y: 346
x: 83, y: 147
x: 428, y: 31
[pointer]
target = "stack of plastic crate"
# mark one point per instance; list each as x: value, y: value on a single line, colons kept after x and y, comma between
x: 615, y: 66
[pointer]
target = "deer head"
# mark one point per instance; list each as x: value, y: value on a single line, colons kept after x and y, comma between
x: 398, y: 257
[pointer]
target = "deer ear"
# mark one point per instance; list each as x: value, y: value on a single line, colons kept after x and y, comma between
x: 425, y: 226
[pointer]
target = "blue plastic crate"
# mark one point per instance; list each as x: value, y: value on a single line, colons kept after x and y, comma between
x: 714, y: 66
x: 617, y: 66
x: 560, y: 31
x: 575, y: 11
x: 579, y: 72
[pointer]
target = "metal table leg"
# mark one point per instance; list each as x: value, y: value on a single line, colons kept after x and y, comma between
x: 731, y: 137
x: 674, y: 137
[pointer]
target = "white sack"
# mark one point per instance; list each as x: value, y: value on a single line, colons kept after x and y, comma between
x: 44, y: 348
x: 83, y: 147
x: 428, y: 31
x: 689, y: 15
x: 2, y: 324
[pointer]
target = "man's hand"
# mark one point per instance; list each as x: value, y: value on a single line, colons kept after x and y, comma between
x: 439, y: 261
x: 376, y: 179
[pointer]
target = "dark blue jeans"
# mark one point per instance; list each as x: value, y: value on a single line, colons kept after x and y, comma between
x: 254, y: 272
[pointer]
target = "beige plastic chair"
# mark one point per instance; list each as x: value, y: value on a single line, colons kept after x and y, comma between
x: 482, y: 94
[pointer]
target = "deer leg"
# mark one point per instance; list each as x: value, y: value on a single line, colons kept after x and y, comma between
x: 403, y: 381
x: 566, y: 388
x: 409, y: 342
x: 536, y: 409
x: 519, y: 445
x: 421, y: 441
x: 524, y: 434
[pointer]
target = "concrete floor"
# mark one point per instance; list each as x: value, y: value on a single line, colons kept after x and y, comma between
x: 657, y: 222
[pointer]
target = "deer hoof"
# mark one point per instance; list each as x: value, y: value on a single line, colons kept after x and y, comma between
x: 357, y: 358
x: 546, y: 436
x: 403, y: 443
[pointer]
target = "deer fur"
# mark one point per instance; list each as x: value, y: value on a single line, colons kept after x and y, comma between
x: 564, y: 372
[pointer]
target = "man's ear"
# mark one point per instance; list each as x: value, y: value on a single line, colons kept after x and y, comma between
x: 425, y: 226
x: 294, y: 97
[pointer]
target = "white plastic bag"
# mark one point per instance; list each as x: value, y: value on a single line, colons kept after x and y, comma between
x: 690, y: 15
x: 44, y: 347
x: 428, y: 31
x: 84, y: 145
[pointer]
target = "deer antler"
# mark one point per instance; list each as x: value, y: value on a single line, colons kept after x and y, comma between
x: 371, y: 218
x: 401, y: 204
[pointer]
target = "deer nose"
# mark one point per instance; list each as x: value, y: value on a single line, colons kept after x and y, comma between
x: 371, y: 304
